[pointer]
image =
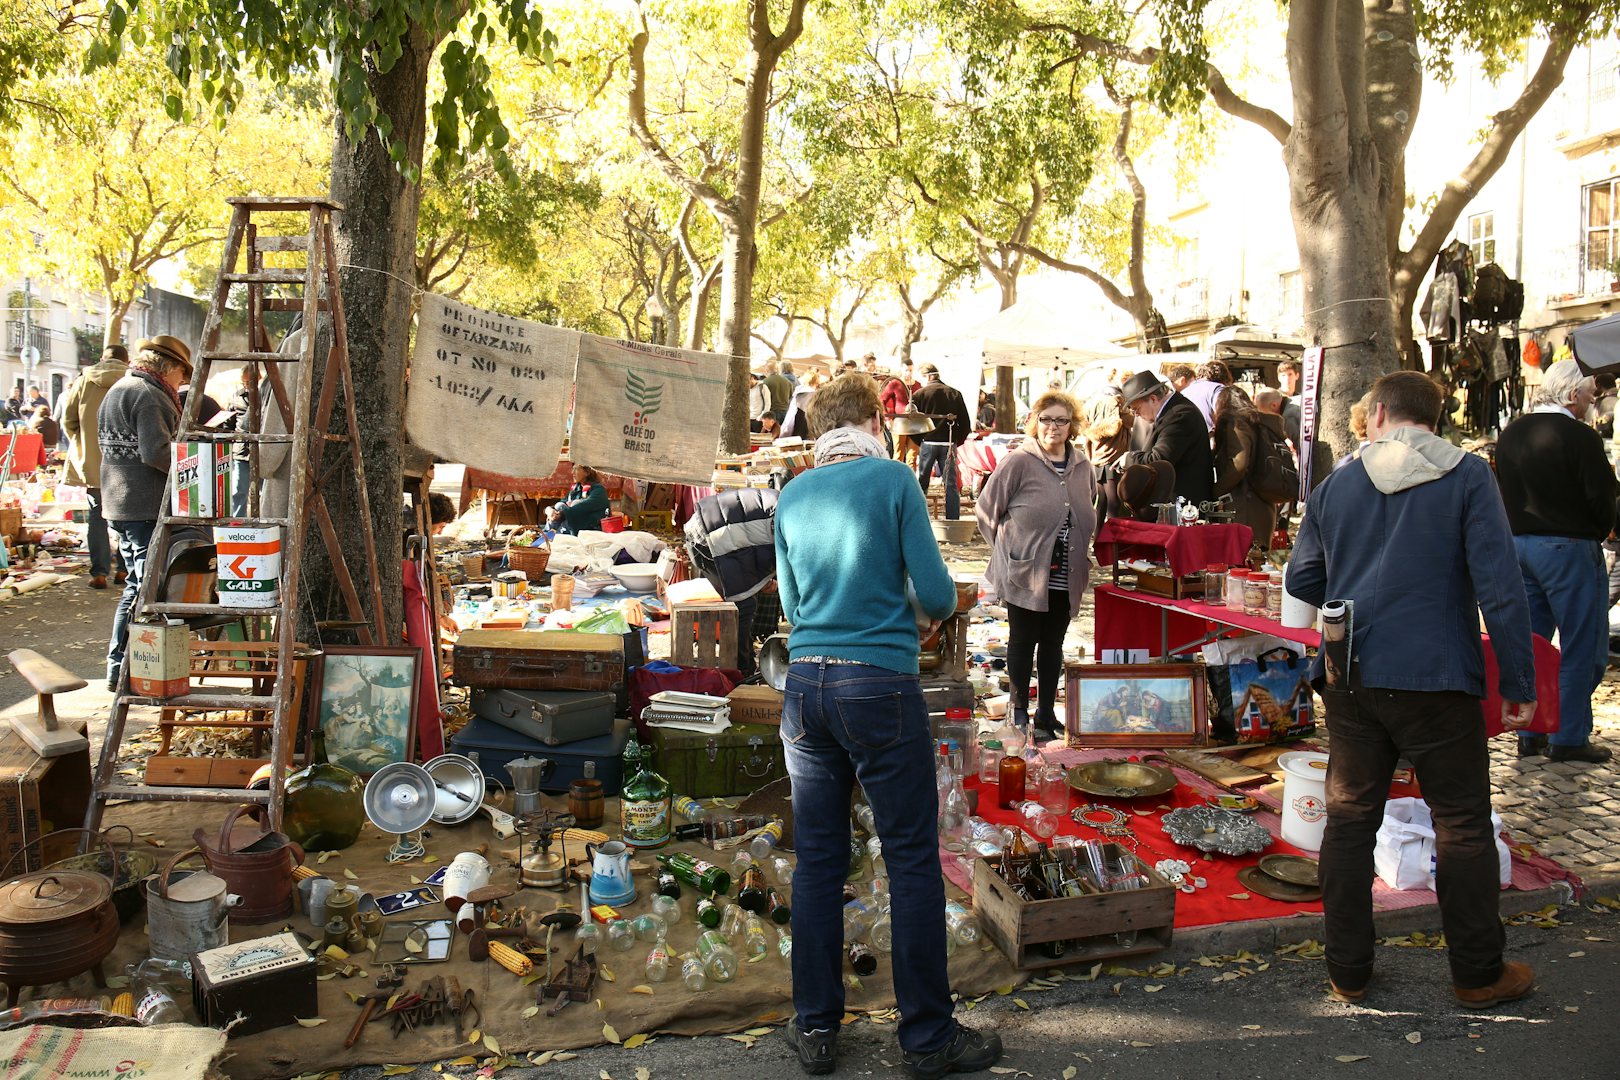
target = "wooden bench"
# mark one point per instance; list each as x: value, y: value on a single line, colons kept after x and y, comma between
x: 48, y: 679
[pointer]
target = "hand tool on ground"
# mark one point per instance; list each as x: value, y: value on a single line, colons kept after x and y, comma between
x: 368, y: 1005
x: 461, y: 1004
x: 573, y: 984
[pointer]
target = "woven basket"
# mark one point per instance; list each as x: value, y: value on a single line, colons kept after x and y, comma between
x: 530, y: 560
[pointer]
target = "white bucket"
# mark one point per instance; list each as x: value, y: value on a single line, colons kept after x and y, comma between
x: 1304, y: 809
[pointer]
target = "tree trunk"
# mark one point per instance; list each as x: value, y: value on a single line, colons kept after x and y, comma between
x: 1335, y: 186
x: 376, y: 238
x: 1152, y: 334
x: 1006, y: 407
x: 113, y: 332
x: 736, y: 328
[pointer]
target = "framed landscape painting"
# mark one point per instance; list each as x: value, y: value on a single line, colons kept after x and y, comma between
x: 1146, y: 705
x: 365, y: 704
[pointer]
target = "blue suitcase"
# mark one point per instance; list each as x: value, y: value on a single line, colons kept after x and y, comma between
x: 492, y: 746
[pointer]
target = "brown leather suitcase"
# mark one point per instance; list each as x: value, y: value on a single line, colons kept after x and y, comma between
x: 541, y: 660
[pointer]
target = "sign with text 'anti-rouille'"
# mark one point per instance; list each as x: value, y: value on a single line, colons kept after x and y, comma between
x: 489, y: 390
x: 647, y: 411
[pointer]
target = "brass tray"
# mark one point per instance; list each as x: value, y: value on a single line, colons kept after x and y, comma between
x: 1255, y: 880
x: 1294, y: 869
x: 1117, y: 779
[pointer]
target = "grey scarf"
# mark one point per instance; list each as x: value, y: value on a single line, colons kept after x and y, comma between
x: 848, y: 442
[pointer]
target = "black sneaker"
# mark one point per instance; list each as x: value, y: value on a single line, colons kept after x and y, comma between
x: 1594, y: 755
x: 1532, y: 745
x: 817, y: 1050
x: 968, y: 1051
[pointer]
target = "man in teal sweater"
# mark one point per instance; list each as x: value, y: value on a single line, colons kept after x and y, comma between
x: 851, y: 535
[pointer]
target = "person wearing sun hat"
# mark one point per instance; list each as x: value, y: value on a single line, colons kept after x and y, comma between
x: 135, y: 425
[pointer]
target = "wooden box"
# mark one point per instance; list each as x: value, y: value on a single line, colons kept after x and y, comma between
x: 1089, y: 924
x: 1163, y: 583
x: 11, y: 520
x: 38, y: 796
x: 269, y: 982
x: 703, y: 635
x: 755, y: 704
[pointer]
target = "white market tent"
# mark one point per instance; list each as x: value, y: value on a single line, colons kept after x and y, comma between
x: 1031, y: 333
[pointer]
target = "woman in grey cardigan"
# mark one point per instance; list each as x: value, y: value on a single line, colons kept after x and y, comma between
x: 1036, y: 512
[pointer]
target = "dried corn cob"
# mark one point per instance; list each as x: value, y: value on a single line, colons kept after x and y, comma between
x: 510, y: 959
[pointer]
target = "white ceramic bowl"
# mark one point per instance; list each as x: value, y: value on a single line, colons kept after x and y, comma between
x: 996, y: 706
x: 641, y: 577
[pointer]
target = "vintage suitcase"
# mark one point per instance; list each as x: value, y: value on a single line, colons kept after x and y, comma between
x: 552, y: 716
x: 492, y: 746
x: 542, y: 660
x: 736, y: 761
x: 269, y: 982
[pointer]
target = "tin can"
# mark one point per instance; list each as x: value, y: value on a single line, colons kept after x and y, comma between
x: 249, y: 565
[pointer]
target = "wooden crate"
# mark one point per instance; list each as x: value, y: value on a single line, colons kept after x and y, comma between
x: 11, y: 519
x: 703, y: 635
x: 1088, y: 923
x: 40, y: 795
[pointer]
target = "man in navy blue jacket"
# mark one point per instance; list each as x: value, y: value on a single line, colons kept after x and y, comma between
x: 1413, y: 534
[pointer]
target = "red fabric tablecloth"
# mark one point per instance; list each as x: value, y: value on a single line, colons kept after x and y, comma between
x: 1127, y: 619
x: 30, y: 454
x: 1188, y: 548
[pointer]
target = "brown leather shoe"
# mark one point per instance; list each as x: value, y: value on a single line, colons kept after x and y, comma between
x: 120, y: 577
x: 98, y: 582
x: 1515, y: 981
x: 1349, y: 997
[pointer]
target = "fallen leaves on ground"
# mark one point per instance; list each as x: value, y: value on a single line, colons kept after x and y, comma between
x: 635, y: 1040
x: 1348, y: 1058
x: 609, y: 1034
x: 313, y: 1022
x: 1414, y: 1037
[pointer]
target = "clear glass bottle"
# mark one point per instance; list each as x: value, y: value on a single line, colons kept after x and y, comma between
x: 1054, y: 788
x: 784, y: 943
x: 657, y: 963
x: 621, y: 934
x: 859, y: 915
x: 158, y: 986
x: 649, y: 927
x: 589, y: 935
x: 719, y: 961
x: 864, y: 818
x: 755, y: 943
x: 731, y: 922
x: 1011, y: 737
x: 962, y: 923
x: 989, y: 762
x: 782, y: 869
x: 667, y: 908
x: 762, y: 845
x: 1038, y: 819
x: 693, y: 974
x: 881, y: 936
x: 953, y: 818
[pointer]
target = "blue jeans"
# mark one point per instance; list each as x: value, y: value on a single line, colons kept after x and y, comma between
x: 1566, y: 584
x: 134, y: 537
x: 936, y: 454
x: 103, y: 559
x: 239, y: 488
x: 842, y: 723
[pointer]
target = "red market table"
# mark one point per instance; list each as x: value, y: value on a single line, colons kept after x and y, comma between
x: 1187, y: 548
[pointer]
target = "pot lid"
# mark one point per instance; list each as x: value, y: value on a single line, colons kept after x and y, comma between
x: 50, y: 895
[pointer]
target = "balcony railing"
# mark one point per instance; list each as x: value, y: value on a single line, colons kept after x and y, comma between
x: 1569, y: 275
x: 38, y: 336
x: 1186, y: 301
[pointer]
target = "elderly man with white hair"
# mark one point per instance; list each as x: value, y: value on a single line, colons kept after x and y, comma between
x: 1559, y: 490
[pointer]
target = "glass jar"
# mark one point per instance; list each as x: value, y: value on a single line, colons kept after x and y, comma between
x: 1274, y: 594
x: 1254, y: 594
x: 1234, y: 588
x: 990, y: 762
x: 1054, y: 788
x: 1215, y: 584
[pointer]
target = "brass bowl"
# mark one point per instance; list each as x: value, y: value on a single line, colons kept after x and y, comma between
x: 1114, y: 779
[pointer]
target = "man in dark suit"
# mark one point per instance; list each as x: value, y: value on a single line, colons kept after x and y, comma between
x: 1179, y: 436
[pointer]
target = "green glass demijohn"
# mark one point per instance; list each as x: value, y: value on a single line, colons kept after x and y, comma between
x: 325, y: 806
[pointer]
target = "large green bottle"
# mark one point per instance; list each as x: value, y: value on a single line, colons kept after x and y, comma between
x: 325, y: 805
x: 645, y: 802
x: 705, y: 877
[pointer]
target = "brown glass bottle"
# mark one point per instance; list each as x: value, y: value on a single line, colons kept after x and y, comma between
x: 1012, y: 770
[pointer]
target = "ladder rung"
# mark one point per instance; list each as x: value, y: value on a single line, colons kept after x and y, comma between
x: 181, y: 794
x: 252, y: 523
x: 236, y: 436
x: 279, y: 203
x: 219, y: 724
x: 206, y: 701
x: 266, y: 277
x: 281, y: 243
x: 212, y: 609
x: 289, y: 303
x: 252, y: 357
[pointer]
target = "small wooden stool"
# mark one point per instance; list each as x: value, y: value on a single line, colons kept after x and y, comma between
x: 48, y: 678
x: 703, y: 635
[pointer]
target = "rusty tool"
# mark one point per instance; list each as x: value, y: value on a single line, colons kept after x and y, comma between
x: 573, y: 983
x: 369, y: 1005
x: 460, y: 1004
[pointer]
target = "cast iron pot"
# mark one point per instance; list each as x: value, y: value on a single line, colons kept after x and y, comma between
x: 55, y: 924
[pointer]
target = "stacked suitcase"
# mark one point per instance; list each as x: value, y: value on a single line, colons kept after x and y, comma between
x: 556, y: 695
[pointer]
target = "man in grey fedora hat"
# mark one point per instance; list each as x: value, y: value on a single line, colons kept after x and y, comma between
x: 1179, y: 435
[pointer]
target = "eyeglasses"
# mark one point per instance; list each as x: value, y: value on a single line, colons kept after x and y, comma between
x: 1055, y: 421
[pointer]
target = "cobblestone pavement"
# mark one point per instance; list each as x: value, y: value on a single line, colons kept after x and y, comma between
x: 1569, y: 811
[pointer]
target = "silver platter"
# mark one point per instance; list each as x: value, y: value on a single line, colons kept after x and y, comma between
x: 1209, y: 829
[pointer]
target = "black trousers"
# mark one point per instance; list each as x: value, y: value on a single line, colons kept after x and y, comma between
x: 1441, y: 734
x: 1035, y: 641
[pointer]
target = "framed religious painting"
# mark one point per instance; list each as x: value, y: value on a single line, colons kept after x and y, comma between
x: 1136, y: 705
x: 365, y: 704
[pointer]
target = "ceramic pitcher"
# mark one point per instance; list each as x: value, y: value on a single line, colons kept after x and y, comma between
x: 610, y: 873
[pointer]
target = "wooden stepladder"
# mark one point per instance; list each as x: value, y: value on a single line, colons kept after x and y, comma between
x: 268, y: 697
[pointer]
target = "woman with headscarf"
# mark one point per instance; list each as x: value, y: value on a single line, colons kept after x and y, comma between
x: 1036, y: 514
x: 585, y: 505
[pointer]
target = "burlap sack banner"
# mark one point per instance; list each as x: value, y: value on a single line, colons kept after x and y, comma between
x: 647, y: 411
x: 489, y: 390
